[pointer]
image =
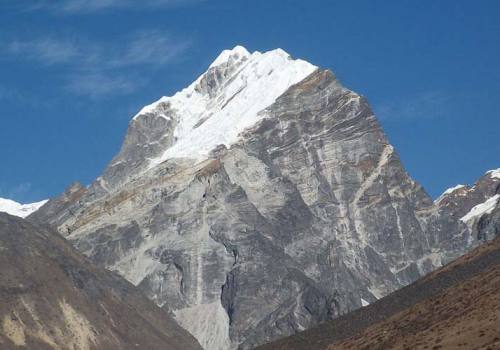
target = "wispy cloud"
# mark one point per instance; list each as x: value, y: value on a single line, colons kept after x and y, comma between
x: 45, y: 50
x: 100, y: 68
x: 424, y: 105
x: 12, y: 94
x: 151, y: 47
x: 91, y: 6
x: 97, y: 84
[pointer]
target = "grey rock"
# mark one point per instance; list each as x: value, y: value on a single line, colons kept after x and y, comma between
x: 458, y: 202
x: 308, y: 216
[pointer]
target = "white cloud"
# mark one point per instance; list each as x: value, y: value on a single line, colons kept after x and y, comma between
x: 46, y: 50
x: 91, y: 6
x: 101, y: 68
x: 96, y: 5
x: 96, y: 85
x: 152, y: 48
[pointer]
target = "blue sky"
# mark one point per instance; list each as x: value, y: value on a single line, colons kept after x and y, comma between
x: 73, y: 73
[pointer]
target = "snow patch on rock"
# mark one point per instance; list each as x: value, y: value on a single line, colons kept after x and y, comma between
x: 152, y: 108
x: 204, y: 121
x: 481, y: 209
x: 494, y: 174
x: 448, y: 192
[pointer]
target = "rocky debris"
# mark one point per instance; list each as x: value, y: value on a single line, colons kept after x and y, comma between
x: 51, y: 297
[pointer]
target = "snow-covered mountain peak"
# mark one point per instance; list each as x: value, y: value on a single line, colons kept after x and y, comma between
x: 494, y: 174
x: 22, y: 210
x: 451, y: 190
x: 238, y: 53
x: 225, y: 100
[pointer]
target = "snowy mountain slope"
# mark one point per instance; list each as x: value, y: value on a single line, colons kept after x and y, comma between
x: 232, y: 104
x: 474, y: 205
x: 481, y: 209
x: 471, y: 201
x: 229, y: 97
x: 495, y: 174
x: 22, y: 210
x: 456, y: 189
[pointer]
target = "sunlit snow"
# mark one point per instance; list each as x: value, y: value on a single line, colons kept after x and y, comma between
x: 448, y: 191
x: 495, y: 174
x: 22, y: 210
x: 481, y: 209
x: 203, y: 122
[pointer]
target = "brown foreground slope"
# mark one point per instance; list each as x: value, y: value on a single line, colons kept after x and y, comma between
x: 456, y: 307
x: 51, y: 297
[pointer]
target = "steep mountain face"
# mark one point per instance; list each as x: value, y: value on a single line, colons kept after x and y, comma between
x: 17, y: 209
x: 51, y: 297
x: 259, y: 201
x: 455, y: 307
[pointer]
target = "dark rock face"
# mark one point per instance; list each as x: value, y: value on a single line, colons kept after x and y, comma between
x: 456, y: 306
x: 51, y: 297
x: 308, y: 216
x: 488, y: 226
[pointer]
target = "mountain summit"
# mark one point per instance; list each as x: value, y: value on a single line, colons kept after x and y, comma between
x: 259, y: 201
x: 229, y: 97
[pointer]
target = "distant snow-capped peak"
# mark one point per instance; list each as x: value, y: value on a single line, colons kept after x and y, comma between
x: 22, y: 210
x: 494, y: 174
x: 225, y: 100
x: 449, y: 191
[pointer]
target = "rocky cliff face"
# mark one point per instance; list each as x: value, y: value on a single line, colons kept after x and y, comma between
x: 259, y: 201
x: 51, y: 297
x: 477, y: 206
x: 454, y: 307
